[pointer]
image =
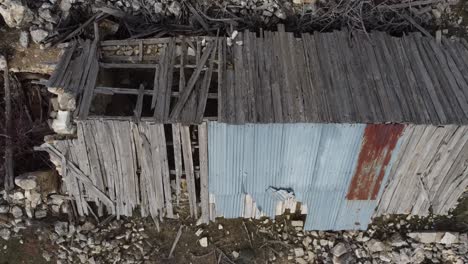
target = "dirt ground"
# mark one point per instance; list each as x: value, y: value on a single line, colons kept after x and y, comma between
x: 253, y: 248
x: 33, y: 59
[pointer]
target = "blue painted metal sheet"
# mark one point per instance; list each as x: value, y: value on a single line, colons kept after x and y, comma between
x: 315, y: 161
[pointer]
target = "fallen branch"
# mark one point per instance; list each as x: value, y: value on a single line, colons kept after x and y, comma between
x: 409, y: 4
x: 416, y: 25
x: 247, y: 232
x: 8, y: 163
x: 179, y: 233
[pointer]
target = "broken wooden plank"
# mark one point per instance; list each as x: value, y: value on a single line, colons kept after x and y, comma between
x: 190, y: 174
x: 165, y: 170
x: 177, y: 159
x: 155, y: 87
x: 130, y: 91
x: 139, y: 104
x: 205, y: 86
x: 79, y: 174
x: 62, y: 66
x: 221, y: 80
x: 203, y: 156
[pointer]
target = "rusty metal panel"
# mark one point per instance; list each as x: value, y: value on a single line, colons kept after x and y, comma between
x: 378, y: 143
x: 316, y: 162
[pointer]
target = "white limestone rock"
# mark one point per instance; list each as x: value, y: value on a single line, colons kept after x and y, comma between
x: 15, y: 13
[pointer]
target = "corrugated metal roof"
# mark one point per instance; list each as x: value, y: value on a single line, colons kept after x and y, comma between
x: 315, y: 161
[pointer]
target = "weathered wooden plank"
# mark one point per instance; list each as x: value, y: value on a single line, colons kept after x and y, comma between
x: 359, y: 107
x: 107, y: 153
x: 131, y: 162
x: 393, y: 78
x: 89, y: 89
x: 424, y: 84
x: 116, y: 65
x: 170, y: 77
x: 444, y: 83
x: 177, y: 158
x: 388, y: 93
x: 117, y: 90
x: 230, y: 97
x: 83, y: 162
x: 372, y: 78
x: 436, y: 87
x: 325, y: 59
x: 78, y: 80
x: 161, y: 85
x: 222, y: 80
x: 421, y: 113
x: 316, y: 98
x: 121, y: 199
x: 62, y: 66
x: 88, y: 80
x: 263, y: 92
x: 284, y: 64
x: 276, y: 78
x: 139, y: 104
x: 205, y: 86
x: 297, y: 73
x: 183, y: 59
x: 96, y: 161
x: 239, y: 96
x: 459, y: 57
x: 366, y: 101
x: 250, y: 75
x: 438, y: 175
x: 165, y: 169
x: 148, y: 173
x: 151, y: 145
x: 451, y: 188
x: 454, y: 82
x: 67, y: 76
x: 143, y: 197
x: 203, y: 156
x: 188, y: 165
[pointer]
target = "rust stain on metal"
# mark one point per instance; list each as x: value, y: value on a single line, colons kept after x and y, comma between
x: 376, y: 151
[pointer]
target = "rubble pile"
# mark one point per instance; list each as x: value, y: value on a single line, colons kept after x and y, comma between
x: 130, y: 241
x: 36, y: 198
x: 44, y: 19
x: 118, y: 242
x: 400, y: 246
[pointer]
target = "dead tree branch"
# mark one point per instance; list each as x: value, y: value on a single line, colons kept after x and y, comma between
x: 8, y: 162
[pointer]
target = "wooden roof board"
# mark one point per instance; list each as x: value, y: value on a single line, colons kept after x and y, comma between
x: 408, y: 82
x: 394, y: 78
x: 362, y: 83
x: 275, y: 77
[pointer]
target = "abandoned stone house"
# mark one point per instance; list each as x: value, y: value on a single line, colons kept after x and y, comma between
x: 338, y: 126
